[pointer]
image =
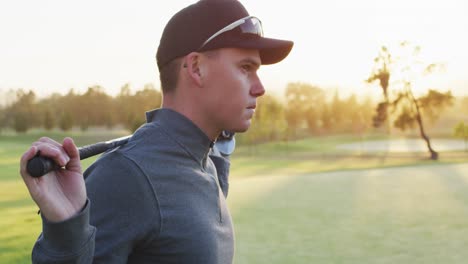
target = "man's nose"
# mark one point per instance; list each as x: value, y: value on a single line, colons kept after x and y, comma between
x: 257, y: 89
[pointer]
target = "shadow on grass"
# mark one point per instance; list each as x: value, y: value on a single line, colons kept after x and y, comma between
x: 294, y: 163
x: 395, y: 215
x: 284, y: 220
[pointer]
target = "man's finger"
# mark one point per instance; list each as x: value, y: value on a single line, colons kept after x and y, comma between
x: 56, y: 153
x: 49, y: 141
x: 72, y: 151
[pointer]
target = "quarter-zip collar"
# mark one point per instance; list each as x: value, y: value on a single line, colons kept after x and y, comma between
x: 188, y: 135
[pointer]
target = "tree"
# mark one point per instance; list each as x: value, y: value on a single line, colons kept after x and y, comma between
x: 66, y: 121
x: 409, y: 109
x: 358, y: 115
x: 269, y: 122
x: 97, y: 108
x: 338, y: 112
x: 49, y: 121
x: 461, y: 131
x: 2, y: 118
x: 22, y: 111
x: 49, y: 110
x: 21, y: 122
x: 326, y: 118
x: 381, y: 73
x: 131, y: 108
x: 465, y: 104
x: 304, y: 106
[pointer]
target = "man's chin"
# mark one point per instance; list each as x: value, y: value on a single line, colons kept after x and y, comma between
x: 241, y: 129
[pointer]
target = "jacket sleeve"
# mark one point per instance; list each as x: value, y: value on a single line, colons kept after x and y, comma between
x: 122, y: 208
x: 70, y: 241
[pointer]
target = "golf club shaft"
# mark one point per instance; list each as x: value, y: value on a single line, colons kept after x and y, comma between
x: 39, y: 165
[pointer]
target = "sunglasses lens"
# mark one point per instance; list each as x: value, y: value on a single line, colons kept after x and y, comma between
x: 252, y: 26
x: 248, y: 25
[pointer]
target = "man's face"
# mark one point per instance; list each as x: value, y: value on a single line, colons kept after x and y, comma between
x: 232, y: 87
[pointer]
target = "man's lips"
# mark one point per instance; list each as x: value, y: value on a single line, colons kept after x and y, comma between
x: 251, y: 110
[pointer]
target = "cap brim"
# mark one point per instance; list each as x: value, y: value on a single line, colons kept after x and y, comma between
x: 271, y: 50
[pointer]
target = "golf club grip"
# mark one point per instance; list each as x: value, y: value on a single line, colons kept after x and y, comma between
x: 39, y: 165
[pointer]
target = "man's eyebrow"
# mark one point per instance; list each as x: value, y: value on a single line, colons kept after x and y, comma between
x: 252, y: 62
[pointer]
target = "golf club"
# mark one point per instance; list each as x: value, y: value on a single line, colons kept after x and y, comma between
x: 39, y: 165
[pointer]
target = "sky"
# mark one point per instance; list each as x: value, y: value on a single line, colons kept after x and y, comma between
x: 54, y: 45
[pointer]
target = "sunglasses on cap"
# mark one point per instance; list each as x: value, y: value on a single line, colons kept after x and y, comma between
x: 247, y: 25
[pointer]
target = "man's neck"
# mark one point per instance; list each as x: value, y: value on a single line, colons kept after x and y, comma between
x: 189, y: 109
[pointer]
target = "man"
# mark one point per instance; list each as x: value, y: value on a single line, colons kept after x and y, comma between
x: 158, y: 198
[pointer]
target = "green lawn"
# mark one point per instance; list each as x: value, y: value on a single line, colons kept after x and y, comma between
x: 394, y: 215
x: 291, y: 205
x: 20, y: 224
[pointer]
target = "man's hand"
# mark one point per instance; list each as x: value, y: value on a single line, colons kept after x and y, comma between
x: 60, y: 194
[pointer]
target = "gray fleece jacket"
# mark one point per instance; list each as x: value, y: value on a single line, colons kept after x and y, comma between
x: 157, y: 199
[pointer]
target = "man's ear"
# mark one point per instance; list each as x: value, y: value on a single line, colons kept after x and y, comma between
x: 191, y: 64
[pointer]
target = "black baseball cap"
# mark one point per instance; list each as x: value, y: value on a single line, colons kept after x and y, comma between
x: 214, y: 24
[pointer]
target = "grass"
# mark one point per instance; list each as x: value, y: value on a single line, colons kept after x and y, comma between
x: 20, y: 223
x: 320, y: 154
x: 393, y: 215
x: 300, y: 202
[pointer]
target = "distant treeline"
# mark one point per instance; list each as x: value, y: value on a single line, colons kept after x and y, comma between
x: 303, y: 111
x: 92, y: 108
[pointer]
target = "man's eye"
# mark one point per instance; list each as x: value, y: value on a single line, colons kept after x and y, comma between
x: 247, y: 67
